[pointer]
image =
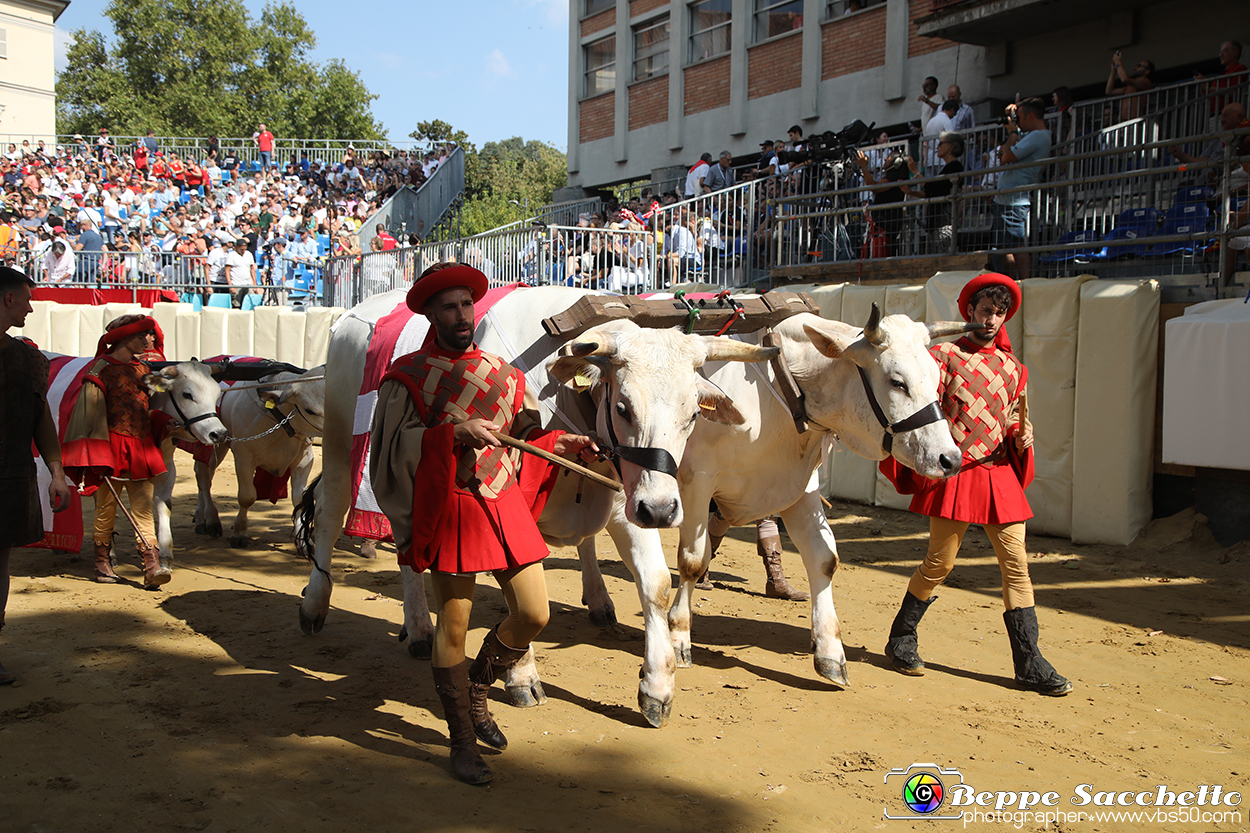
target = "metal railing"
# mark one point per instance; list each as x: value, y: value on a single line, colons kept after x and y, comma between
x: 419, y: 210
x: 616, y: 260
x: 1092, y: 225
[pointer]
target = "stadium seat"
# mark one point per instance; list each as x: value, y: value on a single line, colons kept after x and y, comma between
x: 1075, y: 252
x: 1143, y: 217
x: 219, y: 299
x: 1181, y: 219
x: 1134, y: 249
x: 1192, y: 194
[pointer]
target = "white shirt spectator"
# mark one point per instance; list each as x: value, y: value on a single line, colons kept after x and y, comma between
x: 58, y: 269
x: 694, y: 186
x: 216, y: 265
x: 239, y: 267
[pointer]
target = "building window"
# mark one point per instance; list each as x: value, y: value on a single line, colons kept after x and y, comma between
x: 4, y: 43
x: 776, y: 17
x: 600, y: 66
x: 840, y: 8
x: 651, y: 48
x: 596, y: 6
x: 709, y: 29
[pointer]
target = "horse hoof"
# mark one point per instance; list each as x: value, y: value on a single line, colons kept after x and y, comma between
x: 604, y: 617
x: 655, y: 711
x: 684, y: 659
x: 832, y: 670
x: 421, y: 648
x: 309, y: 624
x: 238, y: 541
x: 525, y: 697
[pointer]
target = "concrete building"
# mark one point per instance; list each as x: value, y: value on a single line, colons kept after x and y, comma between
x: 27, y: 76
x: 655, y: 83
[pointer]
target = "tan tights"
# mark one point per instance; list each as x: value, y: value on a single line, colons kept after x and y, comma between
x: 945, y: 536
x: 140, y: 492
x: 525, y: 590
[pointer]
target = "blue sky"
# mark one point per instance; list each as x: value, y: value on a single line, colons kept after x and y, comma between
x: 493, y: 68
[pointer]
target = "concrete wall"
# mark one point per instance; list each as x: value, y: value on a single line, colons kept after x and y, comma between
x: 26, y: 75
x: 300, y: 338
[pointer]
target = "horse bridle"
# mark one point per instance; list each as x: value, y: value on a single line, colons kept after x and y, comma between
x: 928, y: 414
x: 651, y: 459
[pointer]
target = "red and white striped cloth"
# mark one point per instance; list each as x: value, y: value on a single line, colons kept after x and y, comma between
x: 63, y: 531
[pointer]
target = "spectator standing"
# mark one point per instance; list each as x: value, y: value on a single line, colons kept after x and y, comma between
x: 1128, y: 84
x: 264, y: 142
x: 25, y: 418
x: 964, y: 119
x: 928, y: 103
x: 939, y: 223
x: 58, y: 263
x: 103, y: 144
x: 388, y: 242
x: 1027, y: 140
x: 1230, y: 60
x: 721, y: 175
x: 150, y: 144
x: 694, y: 178
x: 941, y: 123
x: 90, y: 244
x: 240, y: 272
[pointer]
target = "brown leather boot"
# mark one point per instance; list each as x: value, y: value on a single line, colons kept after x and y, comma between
x: 452, y: 685
x: 104, y: 564
x: 492, y: 661
x: 154, y: 574
x: 777, y: 586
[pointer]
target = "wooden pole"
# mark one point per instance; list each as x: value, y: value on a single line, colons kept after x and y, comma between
x: 126, y: 511
x: 559, y: 461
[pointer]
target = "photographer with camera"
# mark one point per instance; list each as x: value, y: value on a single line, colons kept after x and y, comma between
x: 939, y: 225
x: 1127, y: 84
x: 885, y: 193
x: 1027, y: 140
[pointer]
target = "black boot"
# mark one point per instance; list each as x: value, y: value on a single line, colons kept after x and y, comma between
x: 492, y: 661
x: 452, y: 685
x: 902, y: 647
x: 1033, y: 672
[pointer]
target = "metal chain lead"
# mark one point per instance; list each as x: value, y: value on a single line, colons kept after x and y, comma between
x: 276, y: 426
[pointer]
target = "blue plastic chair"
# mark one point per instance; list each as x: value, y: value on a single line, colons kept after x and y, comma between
x: 1182, y: 219
x: 251, y: 302
x: 1192, y: 194
x: 194, y: 299
x: 1135, y: 249
x: 1076, y: 252
x: 219, y: 299
x: 1144, y: 217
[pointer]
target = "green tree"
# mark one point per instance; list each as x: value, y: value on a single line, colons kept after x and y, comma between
x: 201, y: 67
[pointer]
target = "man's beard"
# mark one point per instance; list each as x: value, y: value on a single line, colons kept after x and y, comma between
x: 456, y: 340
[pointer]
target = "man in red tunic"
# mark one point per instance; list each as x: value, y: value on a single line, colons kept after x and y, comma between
x: 113, y: 435
x: 981, y: 386
x: 460, y: 503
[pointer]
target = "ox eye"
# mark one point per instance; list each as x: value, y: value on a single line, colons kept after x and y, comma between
x: 186, y: 394
x: 622, y: 411
x: 899, y: 384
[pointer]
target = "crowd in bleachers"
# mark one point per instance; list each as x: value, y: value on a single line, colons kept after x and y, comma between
x: 94, y: 213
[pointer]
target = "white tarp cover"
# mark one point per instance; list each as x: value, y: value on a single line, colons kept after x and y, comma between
x: 1206, y: 398
x: 1117, y: 358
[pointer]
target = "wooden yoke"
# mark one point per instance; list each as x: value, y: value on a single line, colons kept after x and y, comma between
x: 715, y: 316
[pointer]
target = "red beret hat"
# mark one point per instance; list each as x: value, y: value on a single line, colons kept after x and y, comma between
x: 981, y: 282
x: 435, y: 281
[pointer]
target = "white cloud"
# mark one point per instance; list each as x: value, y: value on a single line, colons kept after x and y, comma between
x: 553, y: 12
x: 61, y: 40
x: 497, y: 64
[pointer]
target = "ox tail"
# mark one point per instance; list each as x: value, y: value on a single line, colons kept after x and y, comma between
x: 303, y: 516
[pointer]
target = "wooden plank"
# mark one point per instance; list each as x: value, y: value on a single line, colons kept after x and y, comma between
x: 759, y: 311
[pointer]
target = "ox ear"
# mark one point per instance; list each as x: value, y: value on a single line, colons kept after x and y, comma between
x: 725, y: 349
x: 162, y: 381
x: 269, y: 397
x: 828, y: 340
x: 716, y: 406
x: 577, y: 372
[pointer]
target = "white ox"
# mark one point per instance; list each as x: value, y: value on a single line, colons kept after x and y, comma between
x: 644, y: 380
x: 763, y: 466
x: 272, y: 429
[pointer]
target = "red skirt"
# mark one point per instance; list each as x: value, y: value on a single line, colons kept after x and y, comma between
x: 134, y: 458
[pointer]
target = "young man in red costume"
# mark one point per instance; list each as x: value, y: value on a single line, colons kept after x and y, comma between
x: 113, y: 434
x: 981, y: 385
x: 460, y: 503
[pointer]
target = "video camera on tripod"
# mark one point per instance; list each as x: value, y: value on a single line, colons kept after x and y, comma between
x: 828, y: 146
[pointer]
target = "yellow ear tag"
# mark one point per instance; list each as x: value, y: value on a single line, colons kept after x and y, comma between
x: 581, y: 382
x: 270, y: 404
x: 705, y: 406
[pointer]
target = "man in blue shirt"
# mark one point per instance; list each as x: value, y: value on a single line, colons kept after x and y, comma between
x: 1027, y: 140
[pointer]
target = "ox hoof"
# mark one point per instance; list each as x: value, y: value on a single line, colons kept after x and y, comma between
x: 684, y: 658
x: 524, y: 697
x: 604, y: 617
x: 201, y: 529
x: 238, y: 541
x: 422, y: 648
x: 213, y: 530
x: 833, y: 670
x: 310, y: 625
x: 655, y: 711
x: 368, y: 548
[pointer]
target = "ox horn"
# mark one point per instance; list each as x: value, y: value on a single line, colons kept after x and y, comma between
x: 722, y: 349
x: 872, y: 330
x: 937, y: 329
x: 582, y: 349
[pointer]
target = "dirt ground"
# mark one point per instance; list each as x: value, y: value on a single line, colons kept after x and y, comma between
x: 203, y: 707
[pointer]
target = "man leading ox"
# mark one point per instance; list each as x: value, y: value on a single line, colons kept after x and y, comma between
x: 981, y: 387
